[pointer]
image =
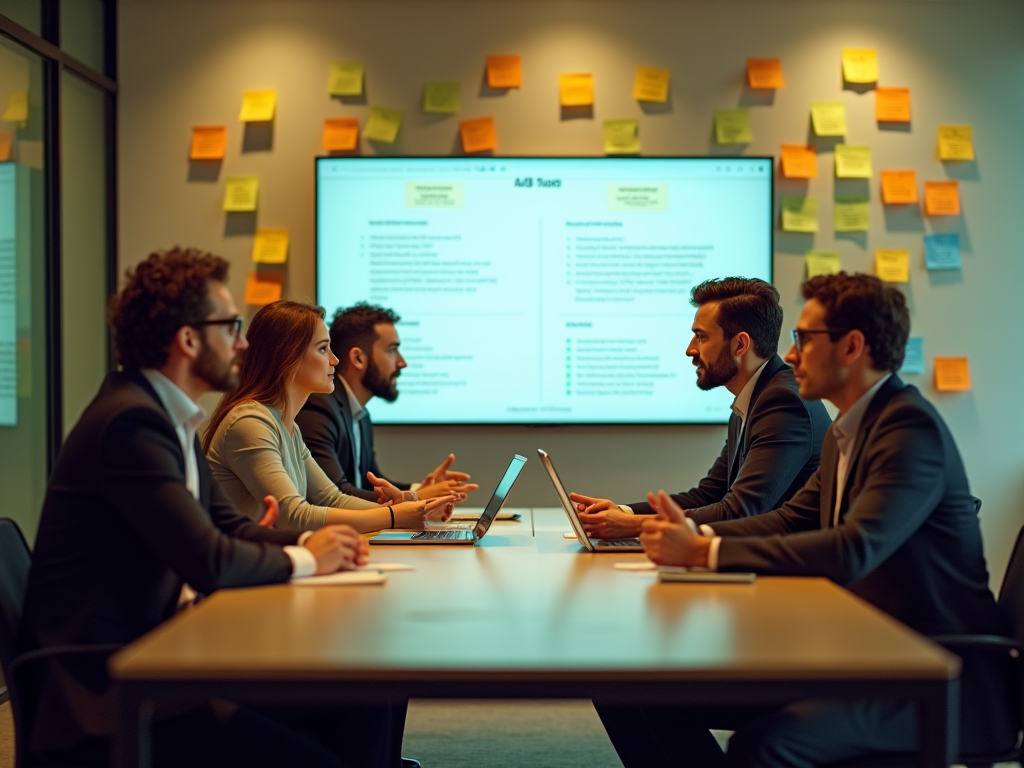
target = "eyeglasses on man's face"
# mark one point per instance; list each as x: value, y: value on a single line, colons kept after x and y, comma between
x: 801, y: 337
x: 235, y: 322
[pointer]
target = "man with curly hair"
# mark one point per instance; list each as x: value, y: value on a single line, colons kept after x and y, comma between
x: 132, y: 515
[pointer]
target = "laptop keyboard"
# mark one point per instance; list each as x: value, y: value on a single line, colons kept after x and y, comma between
x: 619, y: 543
x: 440, y: 535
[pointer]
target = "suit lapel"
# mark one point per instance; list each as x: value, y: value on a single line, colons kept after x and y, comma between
x: 829, y: 470
x: 733, y: 443
x: 341, y: 395
x: 771, y: 368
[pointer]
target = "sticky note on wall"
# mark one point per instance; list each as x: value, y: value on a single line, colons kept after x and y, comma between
x: 892, y: 105
x: 913, y: 356
x: 853, y: 162
x: 576, y: 89
x: 829, y: 118
x: 345, y: 78
x: 258, y: 106
x: 209, y: 142
x: 270, y: 245
x: 860, y: 65
x: 952, y: 374
x: 799, y: 161
x: 504, y: 71
x: 732, y: 126
x: 6, y: 144
x: 765, y: 73
x: 821, y: 263
x: 441, y: 97
x: 942, y: 251
x: 341, y: 134
x: 264, y: 289
x: 620, y: 137
x: 17, y: 108
x: 850, y: 213
x: 892, y: 265
x: 799, y: 214
x: 956, y: 142
x: 899, y: 187
x: 478, y: 135
x: 241, y: 193
x: 383, y: 125
x: 651, y: 84
x: 942, y: 198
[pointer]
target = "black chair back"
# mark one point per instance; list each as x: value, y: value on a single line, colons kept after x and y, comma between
x: 1011, y: 593
x: 14, y: 564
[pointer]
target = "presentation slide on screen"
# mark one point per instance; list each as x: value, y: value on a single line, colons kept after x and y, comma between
x: 541, y: 290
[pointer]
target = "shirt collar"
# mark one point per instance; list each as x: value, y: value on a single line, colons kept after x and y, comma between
x: 182, y: 409
x: 741, y: 404
x: 358, y: 411
x: 846, y: 427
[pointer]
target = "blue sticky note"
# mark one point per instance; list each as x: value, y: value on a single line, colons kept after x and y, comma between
x: 913, y: 356
x: 942, y: 251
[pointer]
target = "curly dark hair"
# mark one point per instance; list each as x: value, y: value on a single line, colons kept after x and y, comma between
x: 168, y: 290
x: 866, y: 304
x: 746, y: 304
x: 355, y: 326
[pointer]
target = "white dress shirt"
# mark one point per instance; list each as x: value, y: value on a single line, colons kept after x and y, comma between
x: 186, y: 416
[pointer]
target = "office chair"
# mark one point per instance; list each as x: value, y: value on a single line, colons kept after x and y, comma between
x: 24, y: 672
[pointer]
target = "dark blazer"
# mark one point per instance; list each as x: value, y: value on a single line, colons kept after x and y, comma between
x: 779, y: 451
x: 326, y: 424
x: 908, y: 541
x: 118, y: 536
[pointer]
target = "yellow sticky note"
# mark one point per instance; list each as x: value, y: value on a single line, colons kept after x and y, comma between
x: 261, y: 290
x: 954, y: 142
x: 6, y: 144
x: 799, y: 214
x: 258, y: 106
x: 892, y: 105
x: 850, y: 213
x: 732, y: 126
x: 576, y: 90
x: 799, y: 161
x: 952, y: 374
x: 341, y: 134
x: 765, y: 73
x: 478, y: 135
x: 651, y: 84
x: 345, y: 79
x: 209, y: 142
x: 860, y: 65
x: 383, y: 125
x: 441, y: 97
x: 821, y: 263
x: 829, y: 118
x: 892, y: 265
x: 620, y: 137
x: 853, y: 162
x: 17, y: 108
x: 241, y: 193
x: 505, y: 71
x: 270, y: 245
x: 942, y: 198
x: 899, y: 187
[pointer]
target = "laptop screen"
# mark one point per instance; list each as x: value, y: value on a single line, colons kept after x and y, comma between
x: 498, y: 499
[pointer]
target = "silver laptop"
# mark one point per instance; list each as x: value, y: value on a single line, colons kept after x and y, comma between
x: 450, y: 536
x: 594, y: 545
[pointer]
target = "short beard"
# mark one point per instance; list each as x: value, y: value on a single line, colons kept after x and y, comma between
x: 385, y: 389
x: 222, y: 377
x: 718, y: 372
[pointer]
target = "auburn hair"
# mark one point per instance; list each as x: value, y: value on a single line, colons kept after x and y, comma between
x: 278, y: 336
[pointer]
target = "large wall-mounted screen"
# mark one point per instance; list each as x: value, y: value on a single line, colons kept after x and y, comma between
x: 541, y: 290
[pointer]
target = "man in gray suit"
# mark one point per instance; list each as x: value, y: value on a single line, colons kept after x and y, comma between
x: 889, y: 515
x: 774, y: 439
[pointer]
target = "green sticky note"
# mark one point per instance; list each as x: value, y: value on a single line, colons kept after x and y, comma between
x: 241, y: 193
x: 821, y: 263
x: 441, y: 97
x: 383, y: 125
x: 620, y: 137
x: 732, y: 126
x: 346, y: 78
x: 853, y: 162
x: 851, y: 214
x: 799, y: 214
x: 829, y: 118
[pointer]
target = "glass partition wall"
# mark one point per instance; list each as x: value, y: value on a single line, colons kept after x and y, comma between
x: 57, y: 231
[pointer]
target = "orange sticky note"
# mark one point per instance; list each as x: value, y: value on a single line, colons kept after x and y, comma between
x: 264, y: 289
x: 6, y: 143
x: 765, y: 73
x: 892, y: 105
x: 478, y: 134
x: 799, y: 161
x: 341, y: 134
x: 504, y: 72
x: 942, y: 198
x: 576, y: 90
x: 899, y: 187
x: 208, y: 142
x: 952, y: 374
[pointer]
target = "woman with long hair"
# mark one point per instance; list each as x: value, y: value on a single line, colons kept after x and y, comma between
x: 255, y: 449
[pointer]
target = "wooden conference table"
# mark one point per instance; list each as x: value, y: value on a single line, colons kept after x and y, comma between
x: 529, y: 614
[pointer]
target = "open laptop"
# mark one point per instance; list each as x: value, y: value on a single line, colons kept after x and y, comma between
x: 594, y: 545
x: 461, y: 536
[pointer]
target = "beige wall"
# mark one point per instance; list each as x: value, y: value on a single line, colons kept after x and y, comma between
x: 186, y: 63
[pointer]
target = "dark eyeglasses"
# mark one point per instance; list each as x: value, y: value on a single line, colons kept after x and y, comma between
x: 800, y: 336
x: 236, y: 331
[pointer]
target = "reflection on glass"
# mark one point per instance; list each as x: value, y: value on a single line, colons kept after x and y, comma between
x: 81, y: 31
x: 28, y: 13
x: 8, y: 291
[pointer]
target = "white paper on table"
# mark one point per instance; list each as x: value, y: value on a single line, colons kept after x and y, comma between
x: 569, y: 535
x: 643, y: 565
x: 342, y: 578
x: 473, y: 513
x: 386, y: 567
